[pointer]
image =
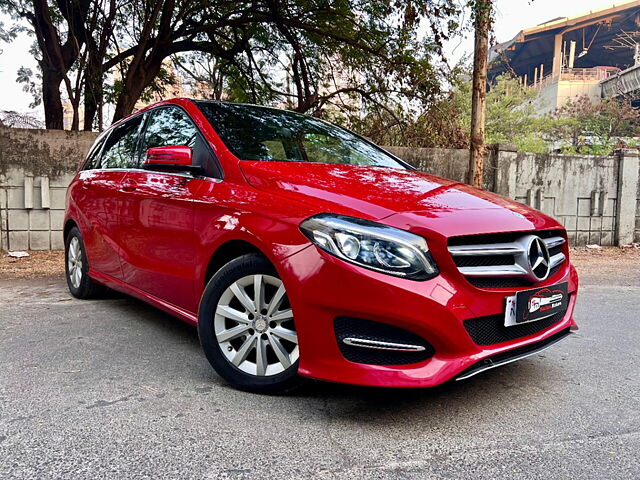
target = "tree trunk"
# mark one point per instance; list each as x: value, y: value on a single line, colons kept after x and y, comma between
x: 75, y: 122
x: 137, y: 79
x: 51, y: 100
x: 478, y: 100
x: 125, y: 104
x: 93, y: 93
x: 101, y: 114
x: 90, y: 111
x: 57, y: 57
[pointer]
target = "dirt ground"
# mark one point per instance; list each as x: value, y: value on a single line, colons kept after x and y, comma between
x: 594, y: 263
x: 599, y: 266
x: 37, y: 264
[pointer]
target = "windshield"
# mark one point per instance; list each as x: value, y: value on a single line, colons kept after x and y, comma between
x: 259, y: 133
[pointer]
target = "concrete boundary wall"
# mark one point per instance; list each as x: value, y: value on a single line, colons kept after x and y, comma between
x: 32, y: 211
x: 36, y: 167
x: 596, y: 198
x: 582, y: 192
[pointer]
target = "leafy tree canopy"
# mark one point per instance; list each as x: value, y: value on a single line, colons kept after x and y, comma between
x: 582, y: 125
x: 311, y: 55
x: 510, y: 117
x: 585, y: 126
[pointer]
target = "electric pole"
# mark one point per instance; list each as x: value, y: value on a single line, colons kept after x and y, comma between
x: 482, y: 22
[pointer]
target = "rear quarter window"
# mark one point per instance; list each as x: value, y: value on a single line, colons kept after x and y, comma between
x: 93, y: 157
x: 120, y: 150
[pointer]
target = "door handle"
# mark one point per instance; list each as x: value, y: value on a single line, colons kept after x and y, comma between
x: 86, y: 184
x: 129, y: 185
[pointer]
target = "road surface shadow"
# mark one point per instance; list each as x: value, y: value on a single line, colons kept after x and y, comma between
x: 512, y: 376
x: 357, y: 403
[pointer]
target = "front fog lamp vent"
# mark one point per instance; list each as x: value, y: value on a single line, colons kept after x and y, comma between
x: 375, y: 343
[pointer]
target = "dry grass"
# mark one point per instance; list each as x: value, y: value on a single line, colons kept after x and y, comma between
x: 37, y: 264
x: 607, y: 266
x: 605, y: 260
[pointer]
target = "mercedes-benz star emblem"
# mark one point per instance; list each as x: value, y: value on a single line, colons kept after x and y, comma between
x: 538, y: 258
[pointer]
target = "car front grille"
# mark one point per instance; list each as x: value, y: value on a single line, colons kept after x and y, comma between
x: 491, y: 329
x: 373, y: 337
x: 501, y: 260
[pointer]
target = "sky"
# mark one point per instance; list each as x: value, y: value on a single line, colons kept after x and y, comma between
x: 511, y: 17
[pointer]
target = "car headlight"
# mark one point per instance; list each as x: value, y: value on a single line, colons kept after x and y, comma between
x: 372, y: 245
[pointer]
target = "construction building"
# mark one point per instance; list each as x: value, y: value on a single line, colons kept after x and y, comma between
x: 596, y: 54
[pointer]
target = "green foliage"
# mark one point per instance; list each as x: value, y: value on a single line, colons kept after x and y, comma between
x: 596, y: 128
x: 510, y: 115
x: 7, y: 35
x: 26, y: 77
x: 160, y: 84
x: 581, y: 126
x: 437, y: 125
x: 433, y: 121
x: 335, y: 59
x: 446, y: 120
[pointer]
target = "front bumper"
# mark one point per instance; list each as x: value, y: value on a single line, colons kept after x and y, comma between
x: 322, y: 288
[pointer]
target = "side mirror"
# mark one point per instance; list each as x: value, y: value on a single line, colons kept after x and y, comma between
x: 174, y: 158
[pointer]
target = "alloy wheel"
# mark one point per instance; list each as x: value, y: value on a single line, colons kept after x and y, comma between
x: 74, y: 262
x: 254, y: 326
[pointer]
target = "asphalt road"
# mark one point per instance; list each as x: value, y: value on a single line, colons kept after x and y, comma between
x: 116, y: 389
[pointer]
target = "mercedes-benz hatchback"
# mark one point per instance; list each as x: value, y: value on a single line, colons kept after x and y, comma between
x: 300, y: 249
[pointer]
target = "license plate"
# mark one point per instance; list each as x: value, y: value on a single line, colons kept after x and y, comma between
x: 536, y: 304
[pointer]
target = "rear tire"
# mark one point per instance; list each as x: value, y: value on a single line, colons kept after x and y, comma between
x: 248, y: 338
x: 77, y: 267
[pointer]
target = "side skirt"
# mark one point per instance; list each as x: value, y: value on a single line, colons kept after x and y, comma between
x: 120, y: 286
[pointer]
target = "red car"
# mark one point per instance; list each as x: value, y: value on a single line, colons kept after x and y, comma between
x: 300, y: 249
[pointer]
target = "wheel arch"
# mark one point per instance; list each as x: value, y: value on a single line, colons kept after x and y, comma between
x: 228, y: 251
x: 69, y: 224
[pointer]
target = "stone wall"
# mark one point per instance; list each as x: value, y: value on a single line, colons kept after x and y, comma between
x: 579, y: 191
x: 446, y: 162
x: 596, y: 198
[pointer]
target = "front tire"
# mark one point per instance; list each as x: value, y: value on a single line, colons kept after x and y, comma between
x: 246, y: 327
x: 77, y: 267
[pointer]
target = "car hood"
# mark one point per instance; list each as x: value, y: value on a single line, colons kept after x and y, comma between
x: 406, y: 198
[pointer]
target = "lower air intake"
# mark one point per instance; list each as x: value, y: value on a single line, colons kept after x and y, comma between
x: 347, y: 328
x: 490, y: 330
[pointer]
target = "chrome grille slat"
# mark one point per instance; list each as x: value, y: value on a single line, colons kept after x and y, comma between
x: 557, y: 260
x: 489, y: 249
x: 553, y: 241
x: 494, y: 271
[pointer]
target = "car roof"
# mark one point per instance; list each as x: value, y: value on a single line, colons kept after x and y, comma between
x: 180, y: 101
